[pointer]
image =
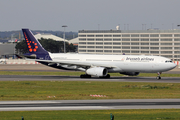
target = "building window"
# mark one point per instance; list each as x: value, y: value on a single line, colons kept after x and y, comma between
x: 155, y: 52
x: 144, y: 35
x: 107, y: 39
x: 166, y: 43
x: 82, y: 46
x: 167, y: 56
x: 90, y: 46
x: 154, y: 43
x: 99, y: 46
x: 144, y: 51
x: 154, y: 47
x: 107, y: 35
x: 82, y: 42
x: 176, y: 39
x: 107, y: 50
x: 134, y: 43
x: 116, y: 35
x: 134, y: 39
x: 99, y: 35
x: 90, y: 35
x: 135, y: 35
x: 108, y: 47
x: 116, y: 39
x: 90, y: 39
x: 144, y: 43
x: 177, y: 48
x: 166, y: 52
x: 166, y: 35
x: 82, y: 35
x: 144, y: 39
x: 176, y: 43
x: 116, y: 43
x: 154, y: 39
x: 134, y: 51
x: 125, y: 51
x: 108, y: 43
x: 134, y: 47
x: 99, y: 43
x: 82, y: 39
x: 176, y: 35
x: 125, y: 43
x: 166, y: 39
x: 117, y: 51
x: 154, y: 35
x: 116, y: 47
x: 125, y: 35
x: 144, y: 47
x: 125, y: 47
x: 125, y: 39
x: 177, y: 52
x: 99, y: 50
x: 90, y: 43
x: 82, y: 50
x: 90, y: 50
x: 166, y: 47
x: 99, y: 39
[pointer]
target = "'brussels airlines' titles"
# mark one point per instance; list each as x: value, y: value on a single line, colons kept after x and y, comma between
x: 139, y: 59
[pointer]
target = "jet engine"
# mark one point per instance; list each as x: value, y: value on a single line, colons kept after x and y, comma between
x: 130, y: 73
x: 97, y: 71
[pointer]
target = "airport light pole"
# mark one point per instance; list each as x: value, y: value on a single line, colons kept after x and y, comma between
x: 64, y: 26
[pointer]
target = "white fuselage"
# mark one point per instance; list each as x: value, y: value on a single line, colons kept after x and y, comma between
x: 117, y: 63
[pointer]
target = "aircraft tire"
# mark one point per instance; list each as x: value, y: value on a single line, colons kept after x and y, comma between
x: 85, y: 76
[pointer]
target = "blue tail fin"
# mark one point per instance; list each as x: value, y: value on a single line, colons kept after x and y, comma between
x: 34, y: 47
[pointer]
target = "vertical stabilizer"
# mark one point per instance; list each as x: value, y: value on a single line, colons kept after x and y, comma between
x: 34, y: 47
x: 32, y: 43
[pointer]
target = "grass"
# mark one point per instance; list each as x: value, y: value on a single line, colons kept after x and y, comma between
x: 75, y: 90
x: 137, y: 114
x: 77, y: 73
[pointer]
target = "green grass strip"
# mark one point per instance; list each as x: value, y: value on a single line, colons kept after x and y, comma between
x: 81, y: 90
x: 147, y: 114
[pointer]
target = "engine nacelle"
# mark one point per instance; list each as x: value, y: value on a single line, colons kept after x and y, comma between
x: 97, y: 71
x: 130, y: 73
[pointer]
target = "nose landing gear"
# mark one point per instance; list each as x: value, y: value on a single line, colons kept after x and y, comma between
x: 158, y: 77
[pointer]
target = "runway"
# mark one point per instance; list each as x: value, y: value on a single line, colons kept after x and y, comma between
x: 76, y: 78
x: 90, y: 104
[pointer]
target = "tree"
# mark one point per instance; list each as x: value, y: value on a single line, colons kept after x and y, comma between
x: 48, y: 44
x: 21, y: 47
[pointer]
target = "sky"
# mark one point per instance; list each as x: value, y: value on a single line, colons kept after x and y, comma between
x: 89, y: 14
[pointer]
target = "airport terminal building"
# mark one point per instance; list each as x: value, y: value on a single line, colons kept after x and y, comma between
x: 131, y: 42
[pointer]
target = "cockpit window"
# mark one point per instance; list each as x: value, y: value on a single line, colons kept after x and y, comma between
x: 168, y: 61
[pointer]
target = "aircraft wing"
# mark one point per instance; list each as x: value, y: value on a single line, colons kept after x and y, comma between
x: 76, y: 63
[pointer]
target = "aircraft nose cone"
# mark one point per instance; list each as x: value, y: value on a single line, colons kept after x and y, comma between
x: 174, y: 65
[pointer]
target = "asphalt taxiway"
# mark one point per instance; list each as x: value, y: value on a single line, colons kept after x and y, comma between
x: 76, y: 78
x: 90, y: 104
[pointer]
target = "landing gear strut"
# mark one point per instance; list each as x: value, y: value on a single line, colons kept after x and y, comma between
x: 158, y: 77
x: 107, y: 76
x: 85, y: 76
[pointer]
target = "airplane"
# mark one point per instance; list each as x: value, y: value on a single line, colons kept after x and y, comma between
x: 96, y: 65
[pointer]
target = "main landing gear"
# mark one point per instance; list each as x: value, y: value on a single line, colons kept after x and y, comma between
x: 89, y: 76
x: 158, y: 77
x: 107, y: 76
x: 85, y: 76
